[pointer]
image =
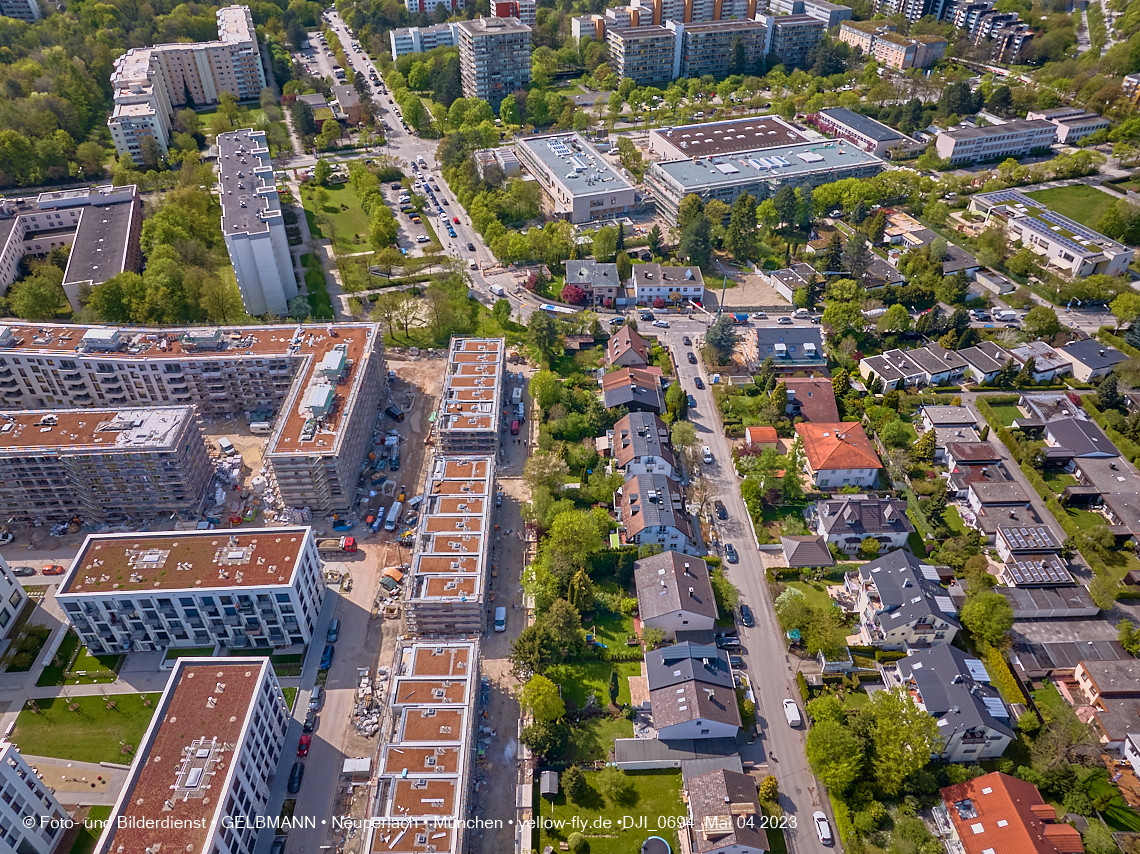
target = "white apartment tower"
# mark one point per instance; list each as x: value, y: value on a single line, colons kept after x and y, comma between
x: 199, y: 782
x: 149, y: 83
x: 494, y: 58
x: 12, y: 600
x: 23, y: 798
x: 252, y: 223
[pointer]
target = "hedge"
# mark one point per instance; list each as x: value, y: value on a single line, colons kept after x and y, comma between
x: 921, y: 523
x: 1003, y: 677
x: 1117, y: 342
x: 619, y: 654
x: 844, y: 829
x: 889, y: 655
x: 1002, y: 431
x: 805, y: 691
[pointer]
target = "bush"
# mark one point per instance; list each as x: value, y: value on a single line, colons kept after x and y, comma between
x: 577, y: 844
x: 573, y: 783
x: 805, y: 691
x: 1003, y: 677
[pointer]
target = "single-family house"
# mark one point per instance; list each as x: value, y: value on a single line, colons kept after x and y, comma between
x: 635, y: 389
x: 994, y: 497
x: 761, y: 437
x: 806, y: 551
x: 791, y: 348
x: 929, y: 365
x: 947, y: 416
x: 838, y: 455
x: 640, y: 444
x: 1112, y: 688
x: 1090, y: 359
x: 1047, y: 362
x: 674, y: 593
x: 849, y: 519
x: 627, y: 349
x: 812, y: 398
x: 691, y: 692
x: 724, y: 814
x: 983, y: 361
x: 672, y: 285
x: 1019, y: 542
x: 1081, y: 436
x: 901, y: 604
x: 954, y: 688
x: 599, y: 280
x: 651, y: 508
x: 971, y: 454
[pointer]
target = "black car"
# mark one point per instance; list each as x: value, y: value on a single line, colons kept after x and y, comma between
x: 692, y: 402
x: 736, y: 662
x: 22, y: 571
x: 747, y: 617
x: 327, y: 656
x: 728, y: 642
x: 730, y: 555
x: 310, y: 722
x: 721, y: 510
x: 470, y: 247
x: 699, y: 383
x: 687, y: 341
x: 692, y: 357
x: 295, y: 777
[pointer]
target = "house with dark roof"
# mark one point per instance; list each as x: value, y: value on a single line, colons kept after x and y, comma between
x: 999, y: 813
x: 993, y: 497
x: 627, y: 349
x: 971, y: 454
x: 983, y: 361
x: 691, y: 692
x: 599, y: 280
x: 791, y: 348
x: 635, y: 389
x: 639, y: 444
x: 901, y: 604
x: 1090, y: 359
x: 806, y: 551
x: 956, y: 260
x: 724, y: 813
x: 651, y: 508
x: 849, y: 519
x: 954, y: 688
x: 674, y: 593
x: 947, y: 416
x: 1112, y: 690
x: 838, y: 455
x: 1081, y: 436
x: 812, y: 398
x: 929, y: 365
x: 1019, y: 542
x: 1047, y: 363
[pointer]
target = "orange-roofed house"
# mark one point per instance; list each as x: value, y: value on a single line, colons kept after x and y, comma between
x: 761, y: 438
x: 838, y: 455
x: 996, y: 813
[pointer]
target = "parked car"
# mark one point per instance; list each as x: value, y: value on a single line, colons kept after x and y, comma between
x: 23, y: 571
x: 310, y: 722
x: 792, y: 713
x: 746, y: 615
x: 327, y: 656
x: 706, y: 455
x: 295, y: 777
x: 53, y: 569
x: 736, y: 662
x: 731, y: 556
x: 721, y: 510
x: 692, y: 402
x: 333, y: 632
x: 699, y: 383
x: 316, y: 698
x: 822, y: 828
x: 728, y: 642
x: 303, y: 745
x: 692, y: 357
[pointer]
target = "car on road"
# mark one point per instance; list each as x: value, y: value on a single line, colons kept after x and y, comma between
x: 423, y: 238
x: 792, y: 713
x: 445, y: 202
x: 295, y: 777
x: 737, y: 663
x: 731, y: 556
x: 646, y: 315
x: 661, y: 324
x: 728, y: 642
x: 706, y: 455
x: 53, y: 569
x: 759, y: 315
x: 721, y: 510
x: 333, y: 632
x: 499, y: 498
x: 23, y: 571
x: 303, y: 745
x: 747, y: 617
x: 310, y: 722
x: 687, y: 341
x: 692, y: 358
x: 327, y: 656
x: 470, y: 247
x: 699, y: 383
x: 784, y: 321
x: 822, y: 828
x: 316, y: 698
x: 456, y: 220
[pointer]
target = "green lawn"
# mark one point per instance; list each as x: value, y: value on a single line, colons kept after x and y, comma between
x: 593, y: 738
x: 1086, y: 520
x: 1079, y: 202
x: 1058, y: 480
x: 652, y: 795
x: 954, y: 521
x: 1118, y: 815
x: 53, y: 673
x: 916, y: 543
x: 611, y: 629
x: 342, y: 219
x: 581, y: 678
x: 1050, y: 701
x: 1006, y: 413
x: 89, y: 832
x: 1120, y: 563
x: 290, y: 696
x: 92, y: 733
x: 815, y: 592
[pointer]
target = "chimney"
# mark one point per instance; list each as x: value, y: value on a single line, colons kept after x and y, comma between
x: 692, y: 593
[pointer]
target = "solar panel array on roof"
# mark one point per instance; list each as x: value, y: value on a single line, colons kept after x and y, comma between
x: 977, y: 670
x: 995, y: 707
x: 1047, y: 570
x: 1038, y: 538
x: 558, y: 147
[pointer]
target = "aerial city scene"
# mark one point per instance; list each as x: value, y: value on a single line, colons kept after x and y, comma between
x: 537, y: 426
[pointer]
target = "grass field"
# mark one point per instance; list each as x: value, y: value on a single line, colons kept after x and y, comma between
x: 1086, y: 520
x: 92, y: 733
x: 53, y: 673
x: 89, y: 831
x: 578, y: 679
x: 954, y: 521
x: 592, y: 739
x: 651, y: 796
x: 815, y: 592
x: 320, y: 303
x: 1079, y: 202
x: 340, y: 219
x: 1006, y: 413
x: 290, y: 696
x: 1058, y: 480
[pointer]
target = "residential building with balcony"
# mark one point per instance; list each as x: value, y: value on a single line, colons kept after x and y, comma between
x: 261, y: 587
x: 445, y: 592
x: 791, y: 37
x: 429, y: 7
x: 901, y: 604
x: 848, y: 520
x: 405, y: 40
x: 673, y: 285
x: 649, y: 56
x: 99, y: 464
x: 707, y: 47
x: 27, y: 11
x: 524, y: 10
x: 471, y: 403
x: 203, y: 788
x: 674, y: 593
x: 832, y: 14
x: 791, y: 348
x: 494, y: 58
x: 13, y: 597
x: 838, y: 455
x: 639, y: 444
x: 24, y: 796
x: 880, y: 40
x: 651, y: 509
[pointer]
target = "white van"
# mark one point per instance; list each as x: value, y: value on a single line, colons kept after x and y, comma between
x: 226, y: 446
x: 801, y: 313
x: 260, y: 427
x: 500, y: 619
x: 792, y: 713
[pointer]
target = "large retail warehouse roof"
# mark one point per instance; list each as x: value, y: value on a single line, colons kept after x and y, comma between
x: 807, y: 158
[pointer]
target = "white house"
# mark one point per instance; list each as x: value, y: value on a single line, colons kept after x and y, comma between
x: 929, y: 365
x: 1047, y: 362
x: 983, y: 361
x: 900, y: 603
x: 653, y: 281
x: 838, y: 455
x: 1090, y: 359
x: 674, y: 593
x: 847, y: 520
x: 691, y: 692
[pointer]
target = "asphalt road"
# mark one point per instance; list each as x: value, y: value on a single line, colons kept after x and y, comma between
x: 771, y: 670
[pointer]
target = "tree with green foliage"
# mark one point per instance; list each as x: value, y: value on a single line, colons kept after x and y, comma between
x: 573, y: 783
x: 676, y: 403
x: 533, y: 651
x: 539, y: 697
x: 924, y: 448
x: 1025, y: 375
x: 836, y: 754
x: 1041, y: 322
x: 896, y: 434
x: 542, y: 334
x: 857, y: 256
x: 1128, y: 636
x: 615, y: 687
x: 722, y: 337
x: 563, y: 622
x: 624, y: 267
x: 827, y: 707
x: 988, y: 616
x: 896, y: 319
x: 691, y: 207
x: 501, y: 311
x: 903, y: 738
x: 785, y: 202
x: 613, y: 784
x: 1108, y: 397
x: 833, y: 254
x: 1007, y: 376
x: 869, y: 548
x: 546, y: 739
x: 696, y: 242
x: 779, y: 397
x: 741, y: 237
x: 656, y: 246
x: 40, y: 295
x: 769, y: 790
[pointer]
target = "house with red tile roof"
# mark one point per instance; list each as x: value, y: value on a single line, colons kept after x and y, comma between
x: 812, y: 398
x: 760, y: 437
x: 997, y: 813
x: 627, y: 349
x: 838, y: 454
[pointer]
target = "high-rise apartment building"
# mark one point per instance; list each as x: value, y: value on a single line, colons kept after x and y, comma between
x: 879, y: 40
x: 22, y: 10
x: 12, y: 598
x: 470, y: 409
x: 494, y: 58
x: 257, y: 587
x: 199, y: 782
x: 323, y: 382
x: 790, y: 37
x: 524, y: 10
x: 831, y: 14
x: 252, y: 223
x: 422, y: 39
x: 101, y: 225
x: 33, y: 820
x: 1008, y: 33
x: 149, y: 83
x: 647, y: 55
x: 428, y: 7
x: 103, y: 463
x: 708, y: 48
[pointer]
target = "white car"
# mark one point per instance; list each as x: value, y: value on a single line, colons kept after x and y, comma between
x: 661, y: 324
x: 784, y: 320
x: 822, y: 828
x: 706, y: 455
